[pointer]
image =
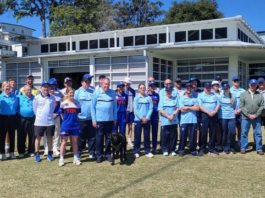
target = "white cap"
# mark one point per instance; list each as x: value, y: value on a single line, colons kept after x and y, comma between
x: 127, y: 80
x: 215, y: 82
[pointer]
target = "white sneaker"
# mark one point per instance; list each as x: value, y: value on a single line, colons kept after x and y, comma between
x: 149, y: 155
x: 130, y: 144
x: 77, y: 161
x: 136, y: 155
x: 21, y: 155
x: 45, y: 153
x: 3, y: 157
x: 155, y: 151
x: 56, y: 152
x: 165, y: 153
x: 173, y: 154
x: 177, y: 146
x: 61, y: 162
x: 12, y: 156
x: 31, y: 154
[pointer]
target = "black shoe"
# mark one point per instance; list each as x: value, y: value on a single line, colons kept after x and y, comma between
x: 226, y: 152
x: 254, y: 147
x: 110, y: 159
x: 200, y: 153
x: 215, y: 152
x: 232, y: 151
x: 99, y: 160
x: 181, y: 154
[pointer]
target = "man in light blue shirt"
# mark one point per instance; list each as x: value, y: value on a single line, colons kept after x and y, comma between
x: 236, y: 91
x: 87, y: 131
x: 104, y: 115
x: 188, y: 105
x: 178, y: 87
x: 209, y: 105
x: 162, y: 92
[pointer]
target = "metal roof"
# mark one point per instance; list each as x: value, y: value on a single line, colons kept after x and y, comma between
x: 17, y: 26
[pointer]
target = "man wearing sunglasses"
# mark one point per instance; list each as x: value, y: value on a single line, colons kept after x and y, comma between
x: 151, y: 79
x: 219, y: 79
x: 178, y: 87
x: 236, y: 91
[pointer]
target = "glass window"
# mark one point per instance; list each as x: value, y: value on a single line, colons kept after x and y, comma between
x: 182, y: 62
x: 104, y: 43
x: 162, y: 38
x: 119, y: 59
x: 112, y: 42
x: 221, y: 68
x: 238, y: 33
x: 83, y: 45
x: 206, y: 34
x: 170, y: 70
x: 156, y: 60
x: 45, y: 48
x: 156, y: 67
x: 53, y: 47
x: 102, y: 60
x: 193, y: 35
x: 163, y: 77
x: 163, y: 61
x: 136, y: 58
x: 220, y: 33
x: 93, y: 44
x: 22, y: 31
x: 196, y: 69
x: 163, y: 68
x: 195, y: 61
x: 73, y: 46
x: 156, y: 75
x: 13, y: 29
x: 140, y: 40
x: 242, y: 36
x: 208, y: 61
x: 180, y: 36
x: 128, y: 41
x: 62, y: 47
x: 151, y: 39
x: 169, y: 63
x: 183, y: 69
x: 221, y: 60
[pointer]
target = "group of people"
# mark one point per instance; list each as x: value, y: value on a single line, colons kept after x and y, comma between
x: 88, y: 115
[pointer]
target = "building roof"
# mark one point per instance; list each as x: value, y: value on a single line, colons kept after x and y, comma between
x: 18, y: 26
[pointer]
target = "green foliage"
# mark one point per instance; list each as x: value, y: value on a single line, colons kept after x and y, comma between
x: 187, y: 11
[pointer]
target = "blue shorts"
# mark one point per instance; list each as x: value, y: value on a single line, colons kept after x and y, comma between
x: 130, y: 118
x: 69, y: 132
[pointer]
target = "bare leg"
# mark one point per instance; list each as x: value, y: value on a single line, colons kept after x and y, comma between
x: 63, y: 145
x: 130, y: 131
x: 74, y: 144
x: 49, y: 142
x: 37, y: 144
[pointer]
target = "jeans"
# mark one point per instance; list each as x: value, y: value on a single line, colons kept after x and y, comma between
x: 257, y: 131
x: 228, y: 125
x: 138, y: 126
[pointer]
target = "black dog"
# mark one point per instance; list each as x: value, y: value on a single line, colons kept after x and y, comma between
x: 118, y: 145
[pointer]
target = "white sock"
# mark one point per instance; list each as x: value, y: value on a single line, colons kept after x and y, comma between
x: 76, y: 156
x: 129, y: 139
x: 61, y: 157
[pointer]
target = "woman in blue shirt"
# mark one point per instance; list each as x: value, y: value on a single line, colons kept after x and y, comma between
x: 8, y: 118
x: 122, y: 102
x: 143, y: 108
x: 168, y: 108
x: 227, y: 115
x: 70, y: 108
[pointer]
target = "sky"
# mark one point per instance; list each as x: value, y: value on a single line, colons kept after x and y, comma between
x: 252, y: 11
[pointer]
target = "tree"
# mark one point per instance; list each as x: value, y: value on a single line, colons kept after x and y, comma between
x: 187, y: 11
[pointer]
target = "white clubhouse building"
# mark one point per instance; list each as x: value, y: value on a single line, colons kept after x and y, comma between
x: 203, y: 49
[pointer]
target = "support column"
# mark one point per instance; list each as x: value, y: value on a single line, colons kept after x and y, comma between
x: 232, y: 68
x: 71, y: 47
x: 92, y: 69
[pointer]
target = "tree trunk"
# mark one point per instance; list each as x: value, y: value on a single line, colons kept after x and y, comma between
x: 43, y: 27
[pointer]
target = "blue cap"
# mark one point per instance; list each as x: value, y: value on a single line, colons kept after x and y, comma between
x: 226, y: 86
x: 218, y: 78
x: 207, y: 84
x: 52, y: 82
x: 235, y: 78
x: 120, y: 84
x: 87, y: 77
x: 260, y: 80
x: 188, y: 85
x: 44, y: 83
x: 253, y: 81
x: 168, y: 87
x: 151, y: 83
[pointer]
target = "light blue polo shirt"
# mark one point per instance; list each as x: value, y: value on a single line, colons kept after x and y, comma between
x: 162, y: 93
x: 84, y: 97
x: 209, y: 102
x: 26, y: 106
x: 9, y: 105
x: 180, y: 92
x: 143, y: 107
x: 104, y: 106
x: 226, y: 110
x: 169, y: 106
x: 237, y: 94
x: 189, y: 117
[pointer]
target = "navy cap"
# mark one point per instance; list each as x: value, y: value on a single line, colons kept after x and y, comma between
x: 44, y: 83
x: 67, y: 79
x: 218, y: 78
x: 120, y: 84
x: 207, y: 84
x: 253, y: 81
x: 235, y: 78
x: 151, y: 83
x: 188, y: 85
x: 260, y: 80
x: 192, y: 79
x: 168, y: 87
x: 28, y: 76
x: 87, y: 77
x: 226, y: 86
x: 177, y: 80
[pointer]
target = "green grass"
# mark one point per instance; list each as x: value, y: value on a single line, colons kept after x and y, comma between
x: 207, y: 176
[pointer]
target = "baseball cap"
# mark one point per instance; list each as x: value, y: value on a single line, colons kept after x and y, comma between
x: 178, y: 79
x: 120, y: 84
x: 151, y: 83
x: 67, y: 79
x: 260, y: 80
x: 207, y: 84
x: 168, y: 87
x: 218, y: 78
x: 253, y: 81
x: 192, y: 79
x: 235, y: 78
x: 45, y: 83
x: 215, y: 82
x: 127, y: 80
x: 87, y: 77
x: 29, y: 76
x: 52, y: 81
x: 226, y: 86
x: 188, y: 85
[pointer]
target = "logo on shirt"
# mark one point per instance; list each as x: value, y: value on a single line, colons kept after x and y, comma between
x: 174, y: 102
x: 201, y: 124
x: 182, y: 128
x: 214, y: 98
x: 135, y: 124
x: 66, y: 104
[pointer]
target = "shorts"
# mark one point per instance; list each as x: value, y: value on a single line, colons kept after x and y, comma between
x: 70, y: 132
x: 262, y: 121
x: 238, y: 119
x: 48, y: 130
x: 130, y: 118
